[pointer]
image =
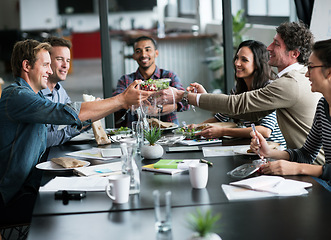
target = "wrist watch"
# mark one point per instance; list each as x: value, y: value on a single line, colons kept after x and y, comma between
x: 184, y: 100
x: 160, y: 108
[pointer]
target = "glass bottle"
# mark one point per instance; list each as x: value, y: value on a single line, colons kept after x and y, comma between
x: 129, y: 165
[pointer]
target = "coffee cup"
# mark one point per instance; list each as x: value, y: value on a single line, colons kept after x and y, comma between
x: 118, y: 188
x: 198, y: 175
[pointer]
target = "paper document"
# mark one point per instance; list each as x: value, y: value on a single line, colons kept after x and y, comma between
x: 93, y: 153
x: 75, y: 184
x: 264, y: 186
x: 185, y: 163
x: 221, y: 150
x: 100, y: 169
x: 200, y: 142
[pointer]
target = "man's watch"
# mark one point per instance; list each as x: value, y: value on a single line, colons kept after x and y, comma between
x: 184, y: 100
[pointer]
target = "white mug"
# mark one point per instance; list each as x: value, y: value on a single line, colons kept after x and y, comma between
x: 198, y: 175
x: 118, y: 188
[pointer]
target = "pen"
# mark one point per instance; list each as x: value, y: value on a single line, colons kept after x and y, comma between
x: 257, y: 140
x: 205, y: 161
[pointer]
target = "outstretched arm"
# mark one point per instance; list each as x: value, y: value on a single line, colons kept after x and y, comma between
x: 96, y: 110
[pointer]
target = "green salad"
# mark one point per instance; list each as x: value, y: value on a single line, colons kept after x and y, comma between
x: 188, y: 133
x: 155, y: 84
x: 121, y: 130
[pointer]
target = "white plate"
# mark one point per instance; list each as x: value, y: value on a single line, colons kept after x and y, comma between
x: 243, y: 151
x: 171, y: 128
x: 111, y: 152
x: 50, y: 166
x: 118, y: 137
x: 84, y: 136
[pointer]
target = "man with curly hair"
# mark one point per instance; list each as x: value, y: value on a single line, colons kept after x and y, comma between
x: 289, y: 94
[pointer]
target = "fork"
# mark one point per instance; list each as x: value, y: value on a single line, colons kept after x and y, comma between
x: 123, y: 117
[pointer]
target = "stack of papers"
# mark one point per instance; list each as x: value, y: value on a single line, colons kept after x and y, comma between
x: 75, y: 184
x: 264, y: 186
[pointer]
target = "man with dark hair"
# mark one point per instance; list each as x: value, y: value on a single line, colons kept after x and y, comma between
x: 289, y: 94
x: 60, y: 64
x: 24, y: 111
x: 145, y: 53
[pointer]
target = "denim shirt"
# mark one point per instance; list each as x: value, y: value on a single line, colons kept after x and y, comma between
x: 23, y: 118
x: 57, y: 134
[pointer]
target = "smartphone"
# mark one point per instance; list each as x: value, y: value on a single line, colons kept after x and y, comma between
x: 70, y: 195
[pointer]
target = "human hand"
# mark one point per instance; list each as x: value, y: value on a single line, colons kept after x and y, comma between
x: 280, y: 167
x: 211, y: 131
x: 196, y: 87
x: 259, y: 145
x: 171, y: 95
x: 192, y: 126
x: 133, y: 95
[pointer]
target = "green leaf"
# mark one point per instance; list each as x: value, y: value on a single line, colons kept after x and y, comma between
x: 152, y: 135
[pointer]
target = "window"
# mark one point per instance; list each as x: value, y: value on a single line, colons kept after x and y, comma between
x: 187, y: 8
x: 267, y: 12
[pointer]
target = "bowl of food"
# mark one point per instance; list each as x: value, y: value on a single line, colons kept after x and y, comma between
x: 155, y: 84
x: 188, y: 133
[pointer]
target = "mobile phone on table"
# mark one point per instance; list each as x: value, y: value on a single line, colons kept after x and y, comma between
x: 70, y: 195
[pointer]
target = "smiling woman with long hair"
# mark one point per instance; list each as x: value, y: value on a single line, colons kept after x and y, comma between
x: 251, y: 72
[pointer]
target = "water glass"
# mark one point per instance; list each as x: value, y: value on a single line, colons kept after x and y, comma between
x: 162, y: 212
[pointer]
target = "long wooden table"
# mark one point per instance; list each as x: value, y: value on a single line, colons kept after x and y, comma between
x: 303, y: 217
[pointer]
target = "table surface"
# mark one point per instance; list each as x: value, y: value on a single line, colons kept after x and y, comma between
x: 302, y: 217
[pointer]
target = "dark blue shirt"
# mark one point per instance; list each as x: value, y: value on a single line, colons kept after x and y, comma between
x: 23, y: 118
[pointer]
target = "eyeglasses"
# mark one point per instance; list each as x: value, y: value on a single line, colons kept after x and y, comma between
x: 311, y: 67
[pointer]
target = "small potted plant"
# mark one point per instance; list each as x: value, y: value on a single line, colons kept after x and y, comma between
x: 203, y: 224
x: 152, y: 150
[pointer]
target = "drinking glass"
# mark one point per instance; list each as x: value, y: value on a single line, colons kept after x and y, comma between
x: 162, y: 212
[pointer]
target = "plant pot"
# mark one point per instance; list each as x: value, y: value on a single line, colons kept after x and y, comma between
x: 209, y: 236
x: 152, y: 151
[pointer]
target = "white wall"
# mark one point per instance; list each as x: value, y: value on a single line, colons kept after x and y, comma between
x: 38, y: 14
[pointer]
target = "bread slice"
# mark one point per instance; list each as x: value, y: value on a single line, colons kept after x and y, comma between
x: 68, y: 162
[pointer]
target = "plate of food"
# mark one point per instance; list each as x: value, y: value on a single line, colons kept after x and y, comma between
x: 115, y: 131
x: 62, y: 164
x: 189, y: 133
x: 154, y: 122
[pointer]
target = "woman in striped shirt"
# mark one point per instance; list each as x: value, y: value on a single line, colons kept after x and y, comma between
x: 299, y: 161
x: 252, y: 72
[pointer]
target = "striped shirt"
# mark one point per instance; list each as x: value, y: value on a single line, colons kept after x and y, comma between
x: 269, y: 121
x: 319, y: 136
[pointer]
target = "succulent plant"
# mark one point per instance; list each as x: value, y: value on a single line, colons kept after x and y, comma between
x: 203, y: 223
x: 152, y: 135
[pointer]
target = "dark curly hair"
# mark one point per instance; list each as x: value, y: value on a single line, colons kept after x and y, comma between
x: 262, y: 73
x: 296, y: 35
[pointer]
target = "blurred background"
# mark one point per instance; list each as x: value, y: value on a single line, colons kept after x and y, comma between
x: 190, y: 35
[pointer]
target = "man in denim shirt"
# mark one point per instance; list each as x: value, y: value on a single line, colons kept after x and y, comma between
x: 24, y: 113
x: 60, y: 63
